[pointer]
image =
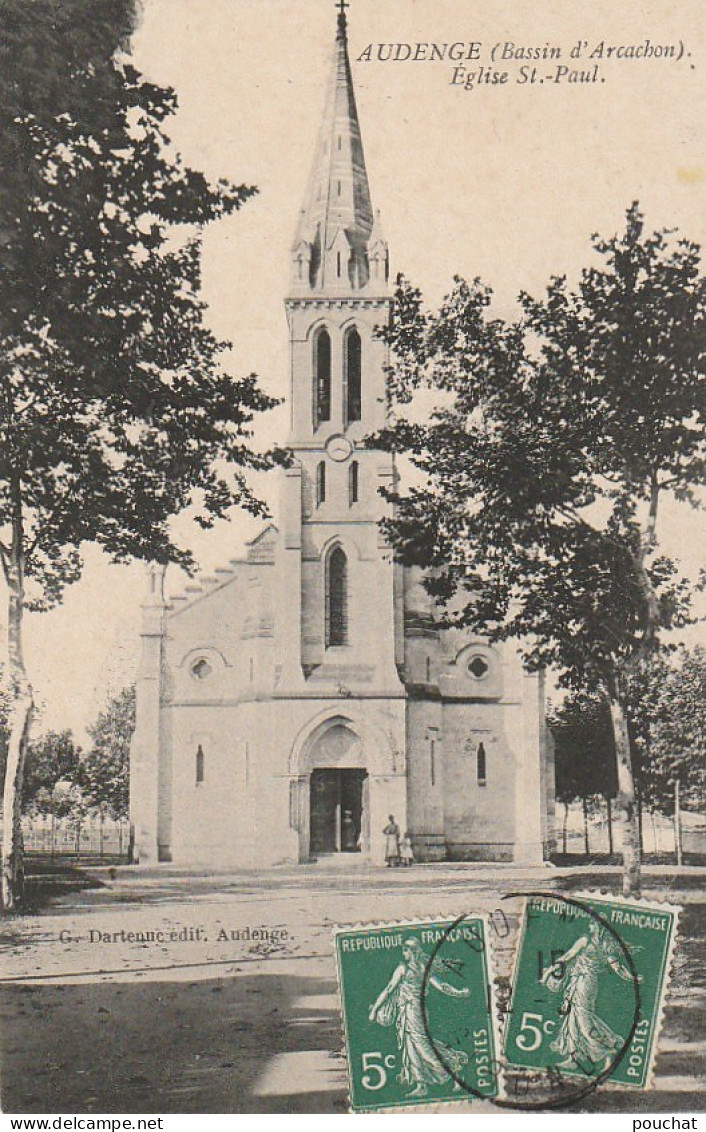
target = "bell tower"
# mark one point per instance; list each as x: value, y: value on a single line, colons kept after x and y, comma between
x: 341, y: 608
x: 339, y: 276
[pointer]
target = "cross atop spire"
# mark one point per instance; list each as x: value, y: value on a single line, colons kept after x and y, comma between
x: 341, y: 6
x: 331, y: 249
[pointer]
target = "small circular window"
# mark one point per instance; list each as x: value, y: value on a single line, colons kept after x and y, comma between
x: 201, y: 669
x: 477, y: 667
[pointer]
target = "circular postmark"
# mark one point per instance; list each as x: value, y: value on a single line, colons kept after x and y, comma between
x: 556, y: 1039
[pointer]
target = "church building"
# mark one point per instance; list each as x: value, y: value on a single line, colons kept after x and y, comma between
x: 289, y: 704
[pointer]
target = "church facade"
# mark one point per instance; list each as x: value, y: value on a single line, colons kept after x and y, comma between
x: 289, y: 704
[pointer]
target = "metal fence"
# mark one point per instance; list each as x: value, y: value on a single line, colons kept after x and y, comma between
x: 92, y: 837
x: 602, y: 829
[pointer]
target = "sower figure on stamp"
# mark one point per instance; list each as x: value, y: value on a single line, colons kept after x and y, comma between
x: 401, y: 1002
x: 583, y: 1039
x: 392, y: 842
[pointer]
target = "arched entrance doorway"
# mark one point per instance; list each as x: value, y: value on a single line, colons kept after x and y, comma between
x: 336, y: 810
x: 339, y: 819
x: 346, y: 774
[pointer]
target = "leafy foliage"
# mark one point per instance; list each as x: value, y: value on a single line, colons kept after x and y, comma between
x: 552, y: 444
x: 59, y: 776
x: 546, y: 460
x: 666, y: 713
x: 52, y: 759
x: 115, y: 410
x: 584, y: 749
x: 104, y: 772
x: 668, y: 723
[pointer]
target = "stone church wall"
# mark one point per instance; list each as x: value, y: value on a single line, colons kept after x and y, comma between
x: 479, y: 810
x: 425, y: 785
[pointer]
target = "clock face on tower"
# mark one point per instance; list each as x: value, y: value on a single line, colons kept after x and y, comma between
x: 339, y: 448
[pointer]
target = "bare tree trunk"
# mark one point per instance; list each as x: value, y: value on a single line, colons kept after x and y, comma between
x: 653, y: 822
x: 564, y: 825
x: 626, y: 799
x: 677, y: 823
x: 20, y: 721
x: 609, y: 808
x: 630, y: 805
x: 586, y: 846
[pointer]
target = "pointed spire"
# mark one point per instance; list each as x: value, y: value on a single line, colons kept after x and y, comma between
x: 330, y: 251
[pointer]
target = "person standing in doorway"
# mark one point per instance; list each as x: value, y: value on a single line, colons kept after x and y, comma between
x: 392, y: 842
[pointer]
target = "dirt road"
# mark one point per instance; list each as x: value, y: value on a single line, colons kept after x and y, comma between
x: 162, y: 991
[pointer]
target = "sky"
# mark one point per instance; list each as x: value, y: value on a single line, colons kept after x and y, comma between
x: 505, y: 181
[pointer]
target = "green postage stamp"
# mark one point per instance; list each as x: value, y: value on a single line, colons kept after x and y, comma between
x: 417, y: 1012
x: 590, y: 979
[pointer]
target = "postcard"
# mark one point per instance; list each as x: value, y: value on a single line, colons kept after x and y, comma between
x: 300, y: 836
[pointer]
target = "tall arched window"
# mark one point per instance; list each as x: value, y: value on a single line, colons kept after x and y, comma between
x: 481, y: 767
x: 336, y: 598
x: 353, y: 482
x: 322, y: 377
x: 200, y: 765
x: 320, y: 483
x: 352, y: 362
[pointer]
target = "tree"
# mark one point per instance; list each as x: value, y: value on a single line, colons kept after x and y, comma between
x: 104, y: 772
x: 50, y: 779
x: 666, y: 710
x: 668, y: 729
x: 584, y: 753
x: 545, y: 466
x: 74, y: 806
x: 51, y: 759
x: 116, y: 412
x: 5, y: 703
